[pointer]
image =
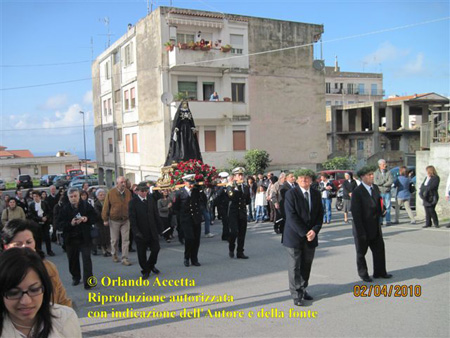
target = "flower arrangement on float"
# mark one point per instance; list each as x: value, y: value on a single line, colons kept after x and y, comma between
x: 202, y: 171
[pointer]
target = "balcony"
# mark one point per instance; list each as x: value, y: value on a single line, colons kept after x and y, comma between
x: 205, y: 58
x: 355, y: 91
x: 205, y: 110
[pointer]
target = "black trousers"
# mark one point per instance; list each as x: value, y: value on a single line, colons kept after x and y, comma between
x: 225, y: 226
x: 147, y: 264
x: 44, y: 231
x: 238, y: 231
x: 192, y: 245
x: 376, y: 245
x: 73, y: 250
x: 299, y: 268
x: 430, y: 214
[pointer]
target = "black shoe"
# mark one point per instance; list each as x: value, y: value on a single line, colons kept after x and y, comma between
x: 426, y: 226
x: 231, y: 254
x: 145, y: 275
x: 94, y: 252
x: 386, y: 276
x: 131, y: 250
x: 367, y: 279
x: 107, y: 254
x: 88, y: 287
x: 436, y: 226
x: 196, y: 264
x: 155, y: 270
x: 186, y: 262
x: 241, y: 256
x: 298, y: 302
x: 51, y: 253
x: 307, y: 296
x: 75, y: 282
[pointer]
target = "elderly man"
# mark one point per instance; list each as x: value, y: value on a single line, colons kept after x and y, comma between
x: 146, y: 226
x: 304, y: 217
x: 76, y: 218
x: 384, y: 179
x: 367, y: 211
x: 187, y: 205
x: 277, y: 201
x: 239, y: 196
x: 115, y: 215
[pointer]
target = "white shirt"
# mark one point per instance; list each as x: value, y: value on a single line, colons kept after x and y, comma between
x: 39, y: 211
x: 368, y: 188
x: 309, y: 196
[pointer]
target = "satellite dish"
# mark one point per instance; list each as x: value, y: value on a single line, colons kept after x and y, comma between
x: 318, y: 64
x: 167, y: 98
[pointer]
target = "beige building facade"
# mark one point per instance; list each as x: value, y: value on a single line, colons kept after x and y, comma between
x: 270, y: 101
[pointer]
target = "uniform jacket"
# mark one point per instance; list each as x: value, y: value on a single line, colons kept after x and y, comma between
x: 188, y: 208
x: 299, y: 220
x: 239, y: 197
x: 144, y: 219
x: 366, y: 211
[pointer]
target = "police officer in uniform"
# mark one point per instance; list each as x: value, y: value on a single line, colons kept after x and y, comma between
x: 222, y: 205
x: 239, y: 196
x: 187, y: 205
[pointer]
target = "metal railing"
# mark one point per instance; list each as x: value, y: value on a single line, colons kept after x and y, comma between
x: 437, y: 130
x: 356, y: 91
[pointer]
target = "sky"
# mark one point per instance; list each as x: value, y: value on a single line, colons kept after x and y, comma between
x: 47, y: 48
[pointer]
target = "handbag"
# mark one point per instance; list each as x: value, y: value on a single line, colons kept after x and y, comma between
x: 412, y: 188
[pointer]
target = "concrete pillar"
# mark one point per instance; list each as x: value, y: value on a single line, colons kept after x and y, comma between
x: 109, y: 180
x: 345, y: 120
x: 405, y: 116
x: 358, y: 120
x: 425, y: 114
x: 389, y: 118
x: 333, y: 130
x: 375, y: 116
x: 101, y: 176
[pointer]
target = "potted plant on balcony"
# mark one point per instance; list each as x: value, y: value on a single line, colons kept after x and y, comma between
x: 169, y: 46
x: 206, y: 47
x: 191, y: 45
x: 225, y: 48
x: 227, y: 99
x: 180, y: 96
x: 182, y: 45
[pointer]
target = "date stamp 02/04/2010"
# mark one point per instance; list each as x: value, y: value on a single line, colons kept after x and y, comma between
x: 395, y: 290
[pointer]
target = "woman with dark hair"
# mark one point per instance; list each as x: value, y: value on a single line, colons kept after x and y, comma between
x: 25, y: 302
x: 22, y: 233
x: 29, y: 196
x: 429, y: 194
x: 347, y: 189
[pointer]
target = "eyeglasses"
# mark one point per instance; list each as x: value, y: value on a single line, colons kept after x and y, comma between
x: 18, y: 294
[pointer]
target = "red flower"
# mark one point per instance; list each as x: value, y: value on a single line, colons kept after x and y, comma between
x: 171, y: 181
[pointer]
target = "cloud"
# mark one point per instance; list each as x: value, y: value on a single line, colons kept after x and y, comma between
x: 385, y: 53
x: 54, y: 102
x: 413, y: 67
x: 87, y: 98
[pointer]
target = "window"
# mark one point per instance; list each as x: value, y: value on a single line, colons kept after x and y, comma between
x: 110, y: 145
x: 210, y: 140
x: 116, y: 57
x: 107, y: 73
x: 185, y: 37
x: 237, y: 42
x: 117, y: 96
x: 350, y: 88
x: 208, y: 90
x: 126, y: 100
x: 119, y: 134
x: 361, y: 88
x: 374, y: 89
x: 135, y: 143
x: 328, y: 87
x: 360, y: 145
x: 129, y: 57
x: 133, y: 97
x: 188, y: 88
x: 105, y: 107
x: 109, y: 107
x: 127, y: 143
x: 239, y: 140
x: 237, y: 92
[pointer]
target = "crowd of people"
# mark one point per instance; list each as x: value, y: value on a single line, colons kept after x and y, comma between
x: 86, y: 221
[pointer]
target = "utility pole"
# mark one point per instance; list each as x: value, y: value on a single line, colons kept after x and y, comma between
x: 84, y: 138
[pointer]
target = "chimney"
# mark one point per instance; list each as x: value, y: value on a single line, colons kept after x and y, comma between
x: 336, y: 68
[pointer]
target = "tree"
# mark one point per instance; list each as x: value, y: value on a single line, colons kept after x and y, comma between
x: 256, y: 161
x: 340, y: 163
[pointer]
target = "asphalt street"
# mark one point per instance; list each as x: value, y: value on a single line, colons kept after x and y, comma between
x: 254, y: 298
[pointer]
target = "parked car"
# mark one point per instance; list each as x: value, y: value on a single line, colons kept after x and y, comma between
x: 78, y: 181
x: 336, y: 176
x: 74, y: 172
x: 2, y: 184
x: 24, y: 181
x: 395, y: 173
x: 61, y: 181
x: 47, y: 180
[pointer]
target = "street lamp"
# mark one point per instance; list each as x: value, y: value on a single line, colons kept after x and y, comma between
x: 84, y: 137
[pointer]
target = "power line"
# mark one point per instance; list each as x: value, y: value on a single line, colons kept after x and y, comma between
x: 251, y: 54
x: 46, y: 64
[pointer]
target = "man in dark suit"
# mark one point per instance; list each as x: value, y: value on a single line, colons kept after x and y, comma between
x: 146, y: 225
x: 367, y: 211
x: 239, y: 197
x: 304, y: 216
x: 187, y: 205
x: 40, y: 212
x: 222, y: 201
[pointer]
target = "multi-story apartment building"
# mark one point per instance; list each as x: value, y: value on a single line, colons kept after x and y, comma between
x: 268, y: 100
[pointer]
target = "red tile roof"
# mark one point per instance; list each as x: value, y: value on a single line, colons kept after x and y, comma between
x: 21, y: 153
x: 405, y: 98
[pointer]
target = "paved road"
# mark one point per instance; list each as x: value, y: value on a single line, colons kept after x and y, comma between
x: 415, y: 256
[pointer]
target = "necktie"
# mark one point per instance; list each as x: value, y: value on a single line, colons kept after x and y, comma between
x: 371, y: 191
x: 307, y: 200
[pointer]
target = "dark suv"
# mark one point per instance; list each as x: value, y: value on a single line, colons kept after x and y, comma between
x: 24, y: 181
x: 47, y: 180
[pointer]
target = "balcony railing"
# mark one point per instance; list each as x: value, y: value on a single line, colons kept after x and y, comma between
x: 435, y: 131
x: 356, y: 92
x: 205, y: 58
x: 206, y: 110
